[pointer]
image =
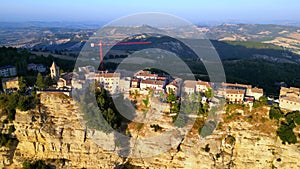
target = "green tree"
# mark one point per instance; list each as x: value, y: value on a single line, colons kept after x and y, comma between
x: 39, y: 81
x: 4, y: 101
x: 146, y: 101
x: 209, y: 94
x: 26, y: 103
x: 171, y: 97
x: 286, y: 134
x: 293, y: 117
x: 35, y: 165
x: 48, y: 81
x: 22, y: 84
x: 275, y: 113
x: 263, y: 100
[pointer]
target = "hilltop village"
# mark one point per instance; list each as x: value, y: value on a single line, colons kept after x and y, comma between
x: 144, y: 81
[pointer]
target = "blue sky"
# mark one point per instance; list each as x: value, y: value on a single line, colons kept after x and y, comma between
x: 193, y: 10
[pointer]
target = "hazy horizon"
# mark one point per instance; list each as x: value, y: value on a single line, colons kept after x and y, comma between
x: 197, y: 12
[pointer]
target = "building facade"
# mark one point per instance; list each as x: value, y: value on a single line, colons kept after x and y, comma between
x: 289, y: 98
x: 233, y: 95
x: 152, y: 84
x: 7, y: 71
x: 174, y: 86
x: 36, y: 67
x: 202, y: 86
x: 290, y: 103
x: 109, y: 81
x: 10, y: 83
x: 189, y: 86
x: 54, y: 72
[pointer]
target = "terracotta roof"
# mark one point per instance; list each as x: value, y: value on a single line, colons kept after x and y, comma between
x: 69, y: 75
x: 257, y: 90
x: 234, y: 91
x: 157, y: 82
x: 4, y: 80
x: 108, y: 75
x: 190, y: 83
x: 236, y: 85
x: 145, y: 73
x: 203, y: 83
x: 284, y: 89
x: 295, y: 89
x: 161, y: 78
x: 135, y: 80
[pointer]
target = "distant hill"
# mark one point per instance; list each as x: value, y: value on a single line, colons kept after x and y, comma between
x: 43, y: 34
x: 280, y: 35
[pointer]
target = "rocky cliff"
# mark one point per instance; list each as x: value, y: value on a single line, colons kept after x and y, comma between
x: 53, y: 132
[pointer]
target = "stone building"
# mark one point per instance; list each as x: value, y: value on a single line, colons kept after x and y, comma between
x: 10, y: 83
x: 109, y: 81
x: 289, y: 98
x: 54, y: 72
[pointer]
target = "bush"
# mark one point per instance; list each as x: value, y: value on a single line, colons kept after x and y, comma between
x: 11, y: 129
x: 263, y: 100
x: 156, y: 127
x: 35, y: 165
x: 293, y: 117
x: 207, y: 148
x: 11, y: 114
x: 275, y: 113
x: 230, y: 139
x: 6, y: 140
x: 26, y: 103
x: 286, y: 134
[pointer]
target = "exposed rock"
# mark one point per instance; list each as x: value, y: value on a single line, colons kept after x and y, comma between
x: 53, y: 132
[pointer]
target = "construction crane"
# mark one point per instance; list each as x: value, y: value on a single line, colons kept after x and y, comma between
x: 101, y: 44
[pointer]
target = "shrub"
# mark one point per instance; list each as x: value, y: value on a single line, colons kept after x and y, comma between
x: 11, y: 129
x: 275, y: 113
x: 286, y: 134
x: 26, y: 103
x: 156, y: 127
x: 36, y: 165
x: 293, y: 117
x: 263, y: 100
x: 231, y: 139
x: 207, y: 148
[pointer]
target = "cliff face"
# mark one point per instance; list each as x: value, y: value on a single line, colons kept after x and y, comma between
x: 53, y: 133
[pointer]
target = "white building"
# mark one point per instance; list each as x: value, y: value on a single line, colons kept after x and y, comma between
x: 290, y: 103
x: 152, y: 84
x: 109, y: 81
x: 289, y: 98
x: 54, y: 72
x: 255, y: 92
x: 174, y: 86
x: 36, y: 67
x: 252, y: 92
x: 67, y: 80
x: 7, y: 71
x: 189, y: 86
x: 202, y: 86
x: 125, y: 85
x: 87, y: 69
x: 145, y: 75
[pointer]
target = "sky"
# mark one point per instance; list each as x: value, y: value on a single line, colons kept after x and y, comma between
x: 195, y: 11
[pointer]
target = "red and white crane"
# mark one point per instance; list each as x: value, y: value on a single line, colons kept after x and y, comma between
x: 101, y: 44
